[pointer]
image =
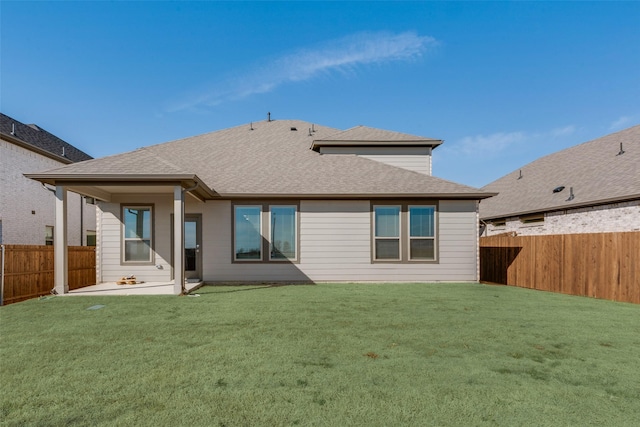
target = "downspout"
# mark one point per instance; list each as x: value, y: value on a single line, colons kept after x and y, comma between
x: 2, y: 278
x: 81, y: 221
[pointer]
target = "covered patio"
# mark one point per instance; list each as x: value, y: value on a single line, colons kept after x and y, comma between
x: 114, y: 188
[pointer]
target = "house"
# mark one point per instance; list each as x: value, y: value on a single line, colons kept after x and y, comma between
x: 593, y: 187
x: 276, y: 201
x: 27, y: 209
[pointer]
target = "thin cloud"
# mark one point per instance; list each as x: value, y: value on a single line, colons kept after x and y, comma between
x: 342, y: 55
x: 564, y: 131
x: 624, y: 122
x: 483, y: 144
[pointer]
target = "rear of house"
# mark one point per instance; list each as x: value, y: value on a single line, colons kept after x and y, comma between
x: 279, y: 201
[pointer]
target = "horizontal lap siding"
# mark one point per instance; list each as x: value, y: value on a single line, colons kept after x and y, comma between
x: 417, y: 159
x: 335, y: 245
x: 110, y: 238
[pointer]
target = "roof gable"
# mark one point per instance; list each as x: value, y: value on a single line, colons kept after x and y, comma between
x: 35, y: 138
x: 596, y: 171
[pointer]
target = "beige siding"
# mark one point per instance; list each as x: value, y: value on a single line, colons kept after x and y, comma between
x: 417, y: 159
x: 335, y: 245
x: 110, y: 238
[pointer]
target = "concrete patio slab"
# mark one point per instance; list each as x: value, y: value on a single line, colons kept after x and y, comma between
x: 147, y: 288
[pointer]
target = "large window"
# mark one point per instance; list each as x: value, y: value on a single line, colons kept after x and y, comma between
x: 248, y: 233
x: 404, y: 233
x: 422, y: 233
x: 387, y: 232
x: 264, y: 228
x: 137, y: 233
x: 283, y: 234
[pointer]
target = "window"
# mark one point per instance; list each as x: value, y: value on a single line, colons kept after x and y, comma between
x: 404, y: 233
x: 422, y: 241
x: 283, y: 232
x: 532, y: 219
x: 91, y: 238
x: 248, y: 233
x: 387, y: 232
x: 137, y: 233
x: 48, y: 235
x: 263, y: 228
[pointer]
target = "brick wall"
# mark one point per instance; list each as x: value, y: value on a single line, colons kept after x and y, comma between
x: 614, y: 217
x: 26, y: 208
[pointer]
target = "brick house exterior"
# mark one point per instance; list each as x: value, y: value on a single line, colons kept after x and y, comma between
x: 592, y: 187
x: 27, y: 209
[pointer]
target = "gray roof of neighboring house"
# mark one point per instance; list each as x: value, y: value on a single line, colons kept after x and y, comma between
x: 267, y: 159
x: 595, y: 170
x: 38, y: 139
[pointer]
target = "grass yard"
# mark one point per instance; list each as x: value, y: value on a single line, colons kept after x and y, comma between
x: 324, y: 355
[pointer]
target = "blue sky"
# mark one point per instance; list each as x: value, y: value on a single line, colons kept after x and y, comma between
x: 501, y: 83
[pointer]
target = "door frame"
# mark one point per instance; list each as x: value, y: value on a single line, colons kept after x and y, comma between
x: 197, y: 274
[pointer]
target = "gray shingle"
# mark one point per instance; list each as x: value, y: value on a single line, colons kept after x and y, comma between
x: 594, y: 169
x: 270, y: 159
x: 40, y: 138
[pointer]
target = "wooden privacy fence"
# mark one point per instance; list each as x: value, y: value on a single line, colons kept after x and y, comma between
x: 28, y: 270
x: 599, y: 265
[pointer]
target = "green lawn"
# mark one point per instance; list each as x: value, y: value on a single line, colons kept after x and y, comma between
x: 324, y: 355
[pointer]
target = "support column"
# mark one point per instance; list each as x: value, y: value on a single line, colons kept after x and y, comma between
x: 178, y: 240
x: 60, y: 250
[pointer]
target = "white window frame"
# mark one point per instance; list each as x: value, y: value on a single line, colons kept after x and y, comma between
x: 48, y: 241
x: 235, y: 215
x: 295, y: 234
x: 398, y: 238
x: 139, y: 239
x: 434, y: 237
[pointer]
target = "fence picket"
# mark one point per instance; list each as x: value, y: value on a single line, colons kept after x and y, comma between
x: 599, y: 265
x: 28, y: 271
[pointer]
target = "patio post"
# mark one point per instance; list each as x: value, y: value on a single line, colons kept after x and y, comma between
x: 178, y: 240
x: 61, y: 265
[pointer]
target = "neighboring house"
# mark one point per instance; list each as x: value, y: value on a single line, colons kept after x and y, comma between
x: 277, y: 201
x: 27, y: 210
x: 593, y: 187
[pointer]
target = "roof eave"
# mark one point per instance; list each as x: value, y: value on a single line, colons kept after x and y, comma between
x: 563, y: 207
x: 31, y: 147
x: 353, y: 196
x: 186, y: 180
x: 316, y: 144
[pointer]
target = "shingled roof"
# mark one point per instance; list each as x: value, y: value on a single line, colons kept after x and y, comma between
x: 601, y: 171
x: 363, y: 135
x: 37, y: 139
x: 263, y: 159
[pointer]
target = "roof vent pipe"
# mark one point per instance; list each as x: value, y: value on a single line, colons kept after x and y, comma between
x: 13, y: 128
x: 251, y: 126
x: 63, y: 154
x: 621, y: 152
x: 269, y: 116
x: 520, y: 176
x: 313, y: 127
x: 571, y: 196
